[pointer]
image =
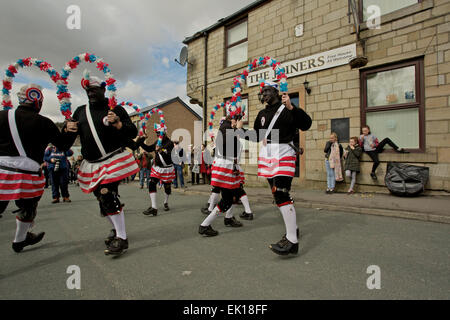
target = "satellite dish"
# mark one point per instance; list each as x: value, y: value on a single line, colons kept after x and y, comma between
x: 183, y: 57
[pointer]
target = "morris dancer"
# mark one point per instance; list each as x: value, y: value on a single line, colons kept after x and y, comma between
x: 226, y: 175
x: 276, y: 160
x: 162, y: 169
x: 239, y: 194
x: 104, y: 134
x: 24, y: 136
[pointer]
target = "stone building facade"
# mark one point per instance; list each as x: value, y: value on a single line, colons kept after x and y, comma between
x: 403, y: 91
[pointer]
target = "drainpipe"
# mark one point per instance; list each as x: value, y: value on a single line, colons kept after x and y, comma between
x: 205, y: 89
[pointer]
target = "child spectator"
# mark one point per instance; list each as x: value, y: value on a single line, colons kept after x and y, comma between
x: 372, y: 147
x: 352, y: 155
x: 333, y: 154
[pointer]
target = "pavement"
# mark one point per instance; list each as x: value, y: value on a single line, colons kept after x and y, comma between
x: 433, y: 208
x: 168, y: 259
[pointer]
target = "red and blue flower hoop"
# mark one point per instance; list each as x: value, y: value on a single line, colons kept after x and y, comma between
x: 144, y: 119
x: 159, y: 129
x: 13, y: 69
x: 234, y: 105
x: 63, y: 92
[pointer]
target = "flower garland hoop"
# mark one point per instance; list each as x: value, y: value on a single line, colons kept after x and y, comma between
x: 159, y: 129
x: 146, y: 117
x: 234, y: 105
x: 63, y: 93
x: 13, y: 69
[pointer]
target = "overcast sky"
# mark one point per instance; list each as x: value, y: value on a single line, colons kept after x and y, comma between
x: 139, y: 40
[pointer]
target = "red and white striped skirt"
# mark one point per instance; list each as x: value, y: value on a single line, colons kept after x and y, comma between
x: 15, y: 185
x: 276, y: 160
x: 118, y: 167
x: 166, y: 175
x: 223, y: 175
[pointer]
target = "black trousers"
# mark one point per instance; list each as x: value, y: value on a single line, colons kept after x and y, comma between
x: 226, y: 200
x: 28, y: 208
x: 154, y: 182
x: 206, y: 178
x: 380, y: 148
x: 195, y: 178
x: 110, y: 202
x: 282, y: 182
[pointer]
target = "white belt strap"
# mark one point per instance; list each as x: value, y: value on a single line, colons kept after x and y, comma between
x: 162, y: 160
x: 15, y: 132
x: 94, y: 132
x: 274, y: 119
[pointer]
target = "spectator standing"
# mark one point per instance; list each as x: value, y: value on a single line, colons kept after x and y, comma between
x: 59, y: 172
x: 145, y: 165
x: 178, y: 159
x: 333, y: 154
x: 205, y: 168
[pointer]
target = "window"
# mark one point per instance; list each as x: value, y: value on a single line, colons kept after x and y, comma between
x: 392, y: 103
x: 386, y: 6
x: 341, y: 127
x: 236, y: 43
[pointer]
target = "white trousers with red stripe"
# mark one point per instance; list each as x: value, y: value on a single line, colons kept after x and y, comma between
x: 276, y: 160
x: 120, y: 166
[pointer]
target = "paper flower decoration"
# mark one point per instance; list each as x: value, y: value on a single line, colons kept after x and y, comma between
x: 13, y: 69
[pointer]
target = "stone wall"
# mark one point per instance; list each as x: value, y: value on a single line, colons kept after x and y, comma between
x: 419, y: 30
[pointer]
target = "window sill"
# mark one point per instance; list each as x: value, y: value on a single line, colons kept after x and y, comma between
x: 416, y: 156
x: 401, y: 13
x: 234, y: 67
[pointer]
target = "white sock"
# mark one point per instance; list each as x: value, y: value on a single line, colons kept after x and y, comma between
x: 229, y: 213
x: 213, y: 200
x: 119, y: 224
x: 110, y: 220
x: 153, y: 199
x: 290, y: 220
x: 21, y: 230
x: 246, y: 204
x: 166, y: 198
x: 212, y: 216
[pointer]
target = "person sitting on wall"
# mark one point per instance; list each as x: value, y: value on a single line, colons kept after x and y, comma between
x: 369, y: 143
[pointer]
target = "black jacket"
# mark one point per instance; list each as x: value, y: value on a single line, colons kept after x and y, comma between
x: 35, y: 131
x: 327, y: 149
x: 288, y: 123
x: 111, y: 138
x: 165, y: 150
x: 227, y: 142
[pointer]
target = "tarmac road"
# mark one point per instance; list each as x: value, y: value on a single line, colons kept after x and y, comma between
x: 168, y: 259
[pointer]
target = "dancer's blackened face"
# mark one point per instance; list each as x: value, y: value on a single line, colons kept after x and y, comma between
x: 270, y: 95
x: 95, y: 93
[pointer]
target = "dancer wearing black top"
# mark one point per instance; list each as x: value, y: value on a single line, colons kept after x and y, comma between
x: 162, y: 170
x: 276, y: 126
x: 24, y: 136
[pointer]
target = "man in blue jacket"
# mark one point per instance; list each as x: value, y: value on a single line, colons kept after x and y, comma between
x: 59, y: 172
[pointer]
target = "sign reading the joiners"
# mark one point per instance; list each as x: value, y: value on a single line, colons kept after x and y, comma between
x: 320, y: 61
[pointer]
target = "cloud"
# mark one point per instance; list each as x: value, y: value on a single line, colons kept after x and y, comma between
x: 165, y: 62
x: 139, y: 40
